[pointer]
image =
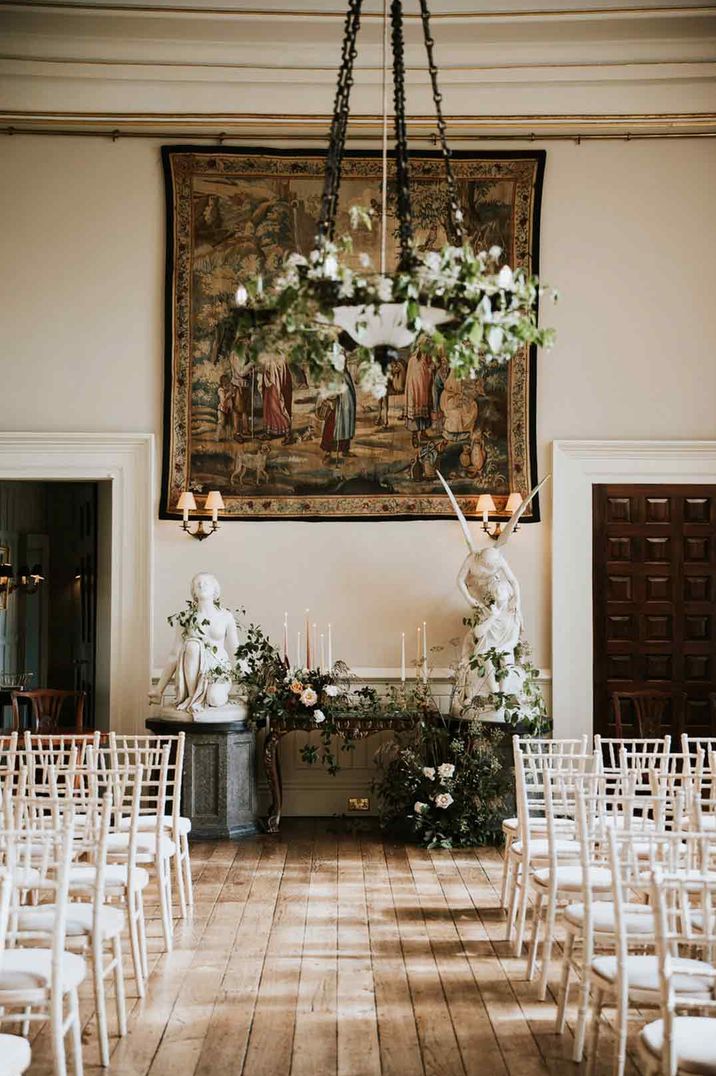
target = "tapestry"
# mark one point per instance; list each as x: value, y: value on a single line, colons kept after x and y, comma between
x: 274, y: 446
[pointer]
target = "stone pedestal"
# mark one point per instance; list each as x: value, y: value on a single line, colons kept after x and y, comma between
x: 219, y: 783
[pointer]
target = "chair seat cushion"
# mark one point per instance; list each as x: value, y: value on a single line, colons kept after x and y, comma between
x: 539, y: 848
x: 694, y: 1039
x: 146, y: 844
x: 639, y: 918
x: 149, y: 821
x: 537, y: 825
x: 570, y: 878
x: 15, y: 1053
x: 79, y: 919
x: 31, y: 969
x: 115, y: 874
x: 643, y: 974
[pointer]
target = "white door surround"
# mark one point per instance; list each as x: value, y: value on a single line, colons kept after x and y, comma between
x: 576, y: 467
x: 127, y: 461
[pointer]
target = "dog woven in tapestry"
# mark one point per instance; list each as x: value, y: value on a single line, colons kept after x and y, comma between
x: 274, y: 446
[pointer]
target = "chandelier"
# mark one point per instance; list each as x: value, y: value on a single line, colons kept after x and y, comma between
x: 464, y: 305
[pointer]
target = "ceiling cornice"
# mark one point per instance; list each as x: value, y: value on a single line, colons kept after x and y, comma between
x: 321, y: 14
x: 232, y: 126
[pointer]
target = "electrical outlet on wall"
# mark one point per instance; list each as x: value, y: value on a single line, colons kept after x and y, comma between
x: 358, y: 803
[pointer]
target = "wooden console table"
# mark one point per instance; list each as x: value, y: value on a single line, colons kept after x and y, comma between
x: 357, y: 727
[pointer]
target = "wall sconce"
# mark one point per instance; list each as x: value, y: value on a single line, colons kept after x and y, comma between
x: 486, y: 505
x: 27, y: 580
x: 214, y: 503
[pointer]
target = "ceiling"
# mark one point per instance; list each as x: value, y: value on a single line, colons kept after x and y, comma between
x: 594, y: 63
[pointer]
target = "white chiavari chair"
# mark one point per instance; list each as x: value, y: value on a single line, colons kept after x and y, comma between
x: 175, y: 824
x: 92, y: 925
x: 155, y: 847
x: 685, y: 917
x: 15, y: 1052
x: 39, y: 977
x: 703, y: 804
x: 57, y: 750
x: 639, y: 756
x: 627, y: 978
x: 590, y: 923
x: 124, y: 879
x: 553, y: 841
x: 694, y: 746
x: 531, y: 746
x: 558, y: 880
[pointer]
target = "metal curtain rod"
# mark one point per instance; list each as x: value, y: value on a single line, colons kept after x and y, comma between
x: 223, y: 136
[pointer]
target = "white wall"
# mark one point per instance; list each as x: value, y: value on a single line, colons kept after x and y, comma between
x: 628, y: 234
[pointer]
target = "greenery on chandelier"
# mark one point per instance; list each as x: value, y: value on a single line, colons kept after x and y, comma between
x: 443, y: 783
x: 492, y: 309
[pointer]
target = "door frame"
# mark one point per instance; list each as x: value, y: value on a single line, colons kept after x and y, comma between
x: 126, y: 461
x: 577, y: 466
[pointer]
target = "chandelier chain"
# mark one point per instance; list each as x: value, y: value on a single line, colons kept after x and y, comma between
x: 339, y: 123
x: 454, y: 205
x: 402, y: 169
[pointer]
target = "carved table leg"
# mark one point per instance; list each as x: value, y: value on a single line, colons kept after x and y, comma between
x: 273, y: 776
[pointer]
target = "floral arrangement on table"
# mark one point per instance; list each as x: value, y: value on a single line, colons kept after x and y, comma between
x: 525, y: 708
x: 491, y: 308
x: 443, y: 783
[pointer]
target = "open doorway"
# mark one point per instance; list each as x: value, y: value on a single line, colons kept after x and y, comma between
x: 55, y: 540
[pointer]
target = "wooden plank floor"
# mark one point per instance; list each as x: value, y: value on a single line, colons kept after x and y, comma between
x: 326, y: 951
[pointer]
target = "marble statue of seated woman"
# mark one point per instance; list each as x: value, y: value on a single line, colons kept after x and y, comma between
x: 204, y: 645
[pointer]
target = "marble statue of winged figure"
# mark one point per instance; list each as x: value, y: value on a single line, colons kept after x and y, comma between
x: 489, y: 586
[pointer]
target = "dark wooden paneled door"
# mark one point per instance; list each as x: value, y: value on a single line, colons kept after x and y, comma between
x: 655, y: 598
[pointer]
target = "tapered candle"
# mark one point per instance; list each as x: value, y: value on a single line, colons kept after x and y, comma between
x: 417, y: 657
x: 402, y: 658
x: 298, y: 650
x: 323, y: 651
x: 314, y: 645
x: 425, y: 652
x: 308, y: 640
x: 285, y: 636
x: 330, y: 648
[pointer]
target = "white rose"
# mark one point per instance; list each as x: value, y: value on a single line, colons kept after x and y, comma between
x: 420, y: 808
x: 319, y: 717
x: 309, y: 697
x: 446, y: 770
x: 505, y: 278
x: 443, y: 800
x: 331, y: 690
x: 428, y: 772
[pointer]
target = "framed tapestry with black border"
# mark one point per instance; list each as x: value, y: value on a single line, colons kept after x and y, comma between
x: 272, y: 443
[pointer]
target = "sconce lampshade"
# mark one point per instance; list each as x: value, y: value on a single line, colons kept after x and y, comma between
x: 513, y: 502
x: 6, y: 571
x: 213, y: 500
x: 187, y: 501
x: 485, y: 503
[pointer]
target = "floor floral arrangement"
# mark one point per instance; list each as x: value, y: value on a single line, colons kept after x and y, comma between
x: 443, y: 783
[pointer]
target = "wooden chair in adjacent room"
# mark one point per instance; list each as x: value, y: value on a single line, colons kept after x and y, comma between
x: 46, y: 708
x: 650, y: 710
